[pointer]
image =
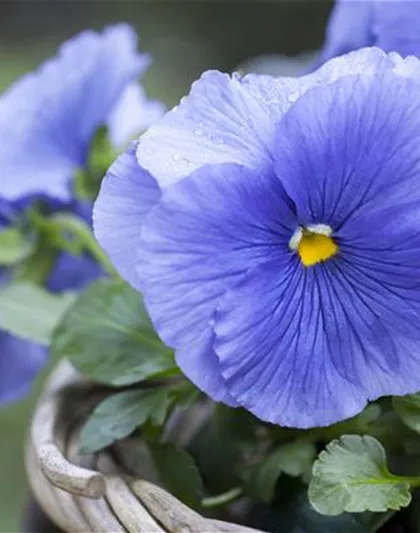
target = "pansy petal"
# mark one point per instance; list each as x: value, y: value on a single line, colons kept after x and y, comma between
x: 220, y: 121
x: 228, y: 119
x: 200, y: 364
x: 366, y: 61
x: 206, y: 232
x: 274, y: 353
x: 279, y: 93
x: 133, y: 114
x: 47, y: 118
x: 127, y: 195
x: 358, y: 144
x: 20, y: 363
x: 312, y: 346
x: 409, y: 67
x: 380, y: 313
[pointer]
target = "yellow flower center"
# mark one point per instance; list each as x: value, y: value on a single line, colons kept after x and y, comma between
x: 314, y: 244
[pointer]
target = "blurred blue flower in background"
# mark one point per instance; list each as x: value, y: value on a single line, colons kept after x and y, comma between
x: 49, y: 117
x: 20, y: 363
x: 392, y: 25
x: 272, y: 225
x: 48, y: 122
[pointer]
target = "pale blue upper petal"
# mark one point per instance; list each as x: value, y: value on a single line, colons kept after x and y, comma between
x: 220, y: 121
x: 229, y: 119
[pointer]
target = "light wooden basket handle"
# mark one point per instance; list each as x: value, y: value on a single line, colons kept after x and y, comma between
x: 91, y: 493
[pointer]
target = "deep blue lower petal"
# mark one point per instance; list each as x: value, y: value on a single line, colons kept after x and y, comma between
x: 307, y: 347
x: 274, y: 353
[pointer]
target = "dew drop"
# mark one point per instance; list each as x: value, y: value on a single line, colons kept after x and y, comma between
x: 293, y: 96
x: 237, y: 75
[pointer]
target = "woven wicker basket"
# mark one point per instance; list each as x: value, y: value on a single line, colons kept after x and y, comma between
x: 94, y: 493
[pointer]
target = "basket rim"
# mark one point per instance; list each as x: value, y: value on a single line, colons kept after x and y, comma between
x: 92, y: 493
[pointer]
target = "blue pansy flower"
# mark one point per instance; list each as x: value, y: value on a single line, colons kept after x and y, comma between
x: 47, y: 122
x: 273, y: 226
x: 48, y: 117
x: 392, y: 25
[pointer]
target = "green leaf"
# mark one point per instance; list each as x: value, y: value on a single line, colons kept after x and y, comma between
x: 30, y: 312
x: 108, y: 336
x: 408, y: 409
x: 294, y: 458
x: 178, y: 472
x: 351, y: 475
x: 14, y: 247
x: 120, y: 414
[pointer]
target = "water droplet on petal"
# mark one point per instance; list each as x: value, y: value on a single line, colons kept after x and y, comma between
x: 293, y: 96
x: 237, y: 75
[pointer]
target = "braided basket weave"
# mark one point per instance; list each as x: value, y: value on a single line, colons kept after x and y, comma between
x: 94, y: 493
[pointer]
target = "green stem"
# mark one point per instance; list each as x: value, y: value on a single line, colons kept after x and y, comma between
x: 413, y: 481
x: 222, y: 499
x: 65, y: 222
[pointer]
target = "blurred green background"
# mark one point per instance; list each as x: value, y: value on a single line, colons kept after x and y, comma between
x: 184, y: 38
